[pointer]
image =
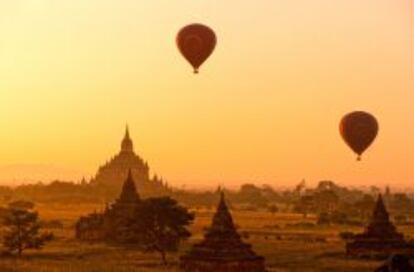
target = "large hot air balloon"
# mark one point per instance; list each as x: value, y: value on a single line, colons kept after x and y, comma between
x: 359, y: 129
x: 196, y: 42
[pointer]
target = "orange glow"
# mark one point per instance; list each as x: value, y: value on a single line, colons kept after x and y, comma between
x: 264, y: 109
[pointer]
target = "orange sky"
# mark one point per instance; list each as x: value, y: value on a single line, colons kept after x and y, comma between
x: 264, y: 109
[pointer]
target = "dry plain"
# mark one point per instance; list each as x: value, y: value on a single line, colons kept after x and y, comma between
x: 286, y: 246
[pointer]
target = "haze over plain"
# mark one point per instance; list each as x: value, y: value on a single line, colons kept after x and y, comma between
x: 264, y: 109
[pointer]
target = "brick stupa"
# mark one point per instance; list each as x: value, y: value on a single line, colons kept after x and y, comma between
x: 380, y: 239
x: 222, y: 249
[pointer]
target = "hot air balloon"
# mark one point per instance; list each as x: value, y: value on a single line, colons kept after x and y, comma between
x: 196, y: 42
x: 359, y: 130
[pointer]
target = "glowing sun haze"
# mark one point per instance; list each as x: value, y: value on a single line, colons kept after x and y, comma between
x: 265, y: 107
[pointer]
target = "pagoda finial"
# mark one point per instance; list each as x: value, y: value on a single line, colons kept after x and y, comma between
x: 222, y: 219
x: 127, y: 145
x: 222, y: 202
x: 380, y: 212
x: 126, y: 131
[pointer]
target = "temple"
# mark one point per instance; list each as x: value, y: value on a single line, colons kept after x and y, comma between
x: 396, y: 263
x: 222, y: 249
x: 106, y: 226
x: 380, y: 239
x: 111, y: 173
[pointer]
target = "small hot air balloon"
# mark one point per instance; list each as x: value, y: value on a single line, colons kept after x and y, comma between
x: 359, y: 130
x: 196, y: 42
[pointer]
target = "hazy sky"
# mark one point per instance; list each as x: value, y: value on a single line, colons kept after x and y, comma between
x: 264, y: 109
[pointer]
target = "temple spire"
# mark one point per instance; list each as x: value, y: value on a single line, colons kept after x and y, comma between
x: 129, y: 191
x: 380, y: 213
x: 222, y: 220
x: 127, y: 145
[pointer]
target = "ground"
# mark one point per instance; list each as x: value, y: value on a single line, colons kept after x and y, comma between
x: 286, y: 246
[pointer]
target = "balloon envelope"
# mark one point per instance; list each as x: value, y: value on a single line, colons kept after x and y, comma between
x: 359, y: 130
x: 196, y: 42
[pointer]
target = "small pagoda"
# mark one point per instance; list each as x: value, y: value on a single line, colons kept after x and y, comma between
x: 380, y: 239
x: 118, y: 214
x: 111, y: 225
x: 396, y: 263
x: 222, y: 249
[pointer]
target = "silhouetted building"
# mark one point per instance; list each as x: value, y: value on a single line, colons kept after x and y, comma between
x: 387, y: 196
x: 396, y: 263
x: 222, y: 249
x: 110, y: 225
x: 380, y: 238
x: 111, y: 173
x: 119, y: 213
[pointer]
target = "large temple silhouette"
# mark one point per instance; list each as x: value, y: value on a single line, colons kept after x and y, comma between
x: 112, y: 173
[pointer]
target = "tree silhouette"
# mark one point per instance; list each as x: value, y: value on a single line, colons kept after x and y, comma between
x: 305, y: 205
x: 160, y: 224
x: 365, y: 206
x: 272, y: 209
x: 22, y: 231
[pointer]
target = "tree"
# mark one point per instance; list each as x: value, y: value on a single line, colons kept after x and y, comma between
x: 21, y: 204
x: 326, y: 201
x: 305, y: 205
x: 365, y: 206
x: 252, y: 194
x: 300, y: 187
x: 161, y: 224
x: 400, y: 219
x: 272, y: 209
x: 334, y: 217
x: 375, y: 190
x: 402, y: 203
x: 326, y: 185
x: 324, y: 219
x: 23, y: 231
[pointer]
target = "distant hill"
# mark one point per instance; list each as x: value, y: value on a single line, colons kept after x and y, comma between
x: 17, y: 174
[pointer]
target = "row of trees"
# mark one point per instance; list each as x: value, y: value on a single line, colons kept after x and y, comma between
x: 159, y: 224
x: 332, y: 207
x: 248, y: 194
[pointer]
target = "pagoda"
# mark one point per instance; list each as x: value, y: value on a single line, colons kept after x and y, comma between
x: 380, y: 239
x: 111, y: 224
x: 222, y: 249
x: 109, y: 175
x: 396, y: 263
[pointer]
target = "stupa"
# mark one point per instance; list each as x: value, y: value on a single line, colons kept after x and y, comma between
x: 222, y: 249
x: 396, y: 263
x: 110, y: 225
x: 118, y: 214
x: 380, y: 239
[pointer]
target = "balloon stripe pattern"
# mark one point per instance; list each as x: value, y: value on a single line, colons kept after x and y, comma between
x: 359, y: 130
x: 196, y: 43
